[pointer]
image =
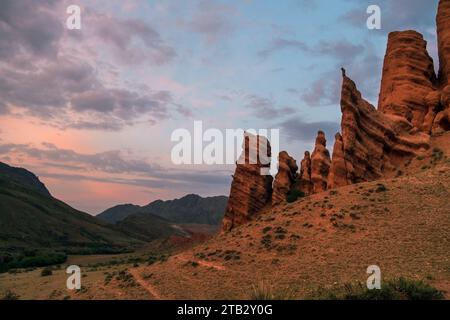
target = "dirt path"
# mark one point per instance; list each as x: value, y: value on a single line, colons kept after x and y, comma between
x: 150, y: 289
x: 203, y: 263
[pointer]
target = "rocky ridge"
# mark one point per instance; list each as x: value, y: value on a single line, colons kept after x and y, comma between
x: 374, y: 143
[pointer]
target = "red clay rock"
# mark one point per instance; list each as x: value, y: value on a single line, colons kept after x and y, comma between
x: 304, y: 177
x: 373, y: 143
x: 443, y: 33
x: 338, y: 169
x: 408, y: 77
x: 250, y: 190
x: 320, y: 164
x: 413, y: 104
x: 285, y: 178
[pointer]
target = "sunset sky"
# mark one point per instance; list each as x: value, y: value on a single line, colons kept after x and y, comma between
x: 91, y: 111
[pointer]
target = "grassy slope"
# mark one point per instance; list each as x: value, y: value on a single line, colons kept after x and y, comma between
x: 326, y: 240
x: 30, y: 219
x: 147, y: 227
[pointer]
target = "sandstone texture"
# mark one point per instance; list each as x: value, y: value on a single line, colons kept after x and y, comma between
x: 250, y: 190
x: 320, y: 164
x: 304, y: 178
x: 285, y: 178
x: 373, y: 143
x: 408, y: 77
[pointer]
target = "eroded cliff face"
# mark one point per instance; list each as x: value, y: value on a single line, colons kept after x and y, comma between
x: 408, y: 77
x: 304, y: 178
x: 371, y: 143
x: 414, y: 104
x: 285, y: 178
x: 251, y: 190
x: 443, y: 32
x: 320, y: 164
x: 441, y: 104
x: 338, y: 176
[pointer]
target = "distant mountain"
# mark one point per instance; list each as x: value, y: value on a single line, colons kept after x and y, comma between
x: 37, y: 229
x: 118, y: 213
x: 188, y: 209
x: 191, y: 209
x: 148, y: 227
x: 23, y: 177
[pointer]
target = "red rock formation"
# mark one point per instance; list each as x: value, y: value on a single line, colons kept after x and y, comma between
x: 408, y: 77
x: 441, y: 122
x: 443, y: 32
x: 304, y: 178
x: 338, y: 169
x: 413, y: 104
x: 320, y: 164
x: 285, y: 178
x: 373, y: 143
x: 250, y: 189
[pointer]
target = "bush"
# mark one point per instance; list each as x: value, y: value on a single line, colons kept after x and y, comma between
x: 9, y: 295
x: 46, y: 272
x: 293, y: 195
x: 263, y: 291
x: 381, y: 188
x: 398, y: 289
x: 30, y: 258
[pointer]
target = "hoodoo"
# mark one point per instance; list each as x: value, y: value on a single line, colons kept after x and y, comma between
x: 250, y: 190
x: 414, y: 104
x: 285, y: 178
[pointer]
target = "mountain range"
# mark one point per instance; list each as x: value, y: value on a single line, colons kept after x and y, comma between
x: 189, y: 209
x: 37, y: 229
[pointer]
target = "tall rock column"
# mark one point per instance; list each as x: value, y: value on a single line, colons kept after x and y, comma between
x: 285, y: 178
x: 338, y: 169
x: 408, y: 77
x: 304, y: 178
x: 320, y: 164
x: 250, y: 190
x: 442, y: 120
x: 443, y: 34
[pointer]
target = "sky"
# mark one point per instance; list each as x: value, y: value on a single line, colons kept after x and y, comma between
x: 91, y: 111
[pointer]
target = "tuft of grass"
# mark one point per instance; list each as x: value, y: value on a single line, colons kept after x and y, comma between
x: 381, y: 188
x: 263, y: 291
x: 46, y: 272
x: 397, y: 289
x: 267, y: 229
x: 293, y: 195
x: 10, y: 295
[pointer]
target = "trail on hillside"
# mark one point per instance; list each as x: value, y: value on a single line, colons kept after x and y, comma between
x: 150, y: 289
x: 203, y: 263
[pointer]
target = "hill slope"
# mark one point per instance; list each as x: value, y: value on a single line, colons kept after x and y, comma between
x: 23, y: 177
x: 188, y: 209
x: 327, y: 239
x: 37, y: 229
x: 148, y: 227
x: 118, y: 213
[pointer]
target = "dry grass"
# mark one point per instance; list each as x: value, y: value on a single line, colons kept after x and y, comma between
x: 324, y: 241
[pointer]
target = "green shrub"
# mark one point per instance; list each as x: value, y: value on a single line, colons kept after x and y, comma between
x: 264, y: 291
x: 381, y: 188
x: 46, y: 272
x: 293, y: 195
x: 30, y: 258
x: 398, y: 289
x: 10, y: 295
